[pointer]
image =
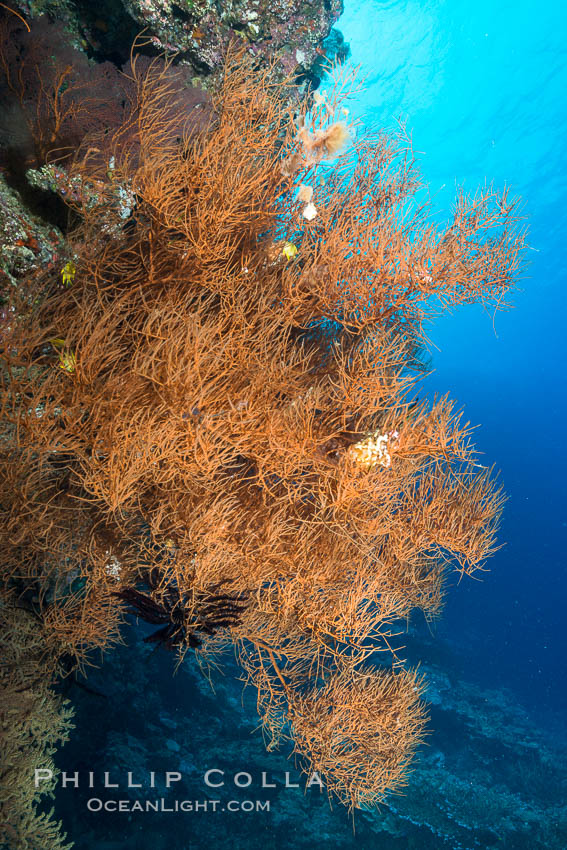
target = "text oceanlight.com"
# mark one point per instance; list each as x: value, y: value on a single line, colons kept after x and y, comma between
x: 95, y: 804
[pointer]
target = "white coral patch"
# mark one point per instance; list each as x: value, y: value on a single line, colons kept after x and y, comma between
x: 375, y: 449
x: 310, y: 212
x: 113, y: 568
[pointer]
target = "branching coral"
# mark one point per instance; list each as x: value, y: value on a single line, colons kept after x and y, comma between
x: 33, y: 721
x: 242, y: 415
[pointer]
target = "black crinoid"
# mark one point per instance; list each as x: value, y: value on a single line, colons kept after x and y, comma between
x: 181, y: 620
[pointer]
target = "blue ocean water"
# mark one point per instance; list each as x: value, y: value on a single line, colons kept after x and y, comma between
x: 482, y: 87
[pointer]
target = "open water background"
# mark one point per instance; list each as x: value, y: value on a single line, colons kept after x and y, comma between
x: 483, y: 87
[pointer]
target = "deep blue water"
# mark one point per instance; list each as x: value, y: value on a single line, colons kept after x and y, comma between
x: 482, y: 87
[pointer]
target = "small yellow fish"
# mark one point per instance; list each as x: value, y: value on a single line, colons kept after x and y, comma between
x: 68, y: 273
x: 289, y: 250
x: 57, y: 342
x: 67, y: 361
